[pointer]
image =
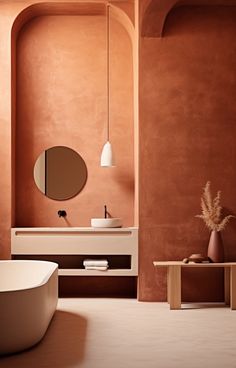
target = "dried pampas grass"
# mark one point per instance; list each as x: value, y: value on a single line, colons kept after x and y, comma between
x: 212, y: 210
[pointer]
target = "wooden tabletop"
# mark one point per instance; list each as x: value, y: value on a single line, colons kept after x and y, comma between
x: 192, y: 264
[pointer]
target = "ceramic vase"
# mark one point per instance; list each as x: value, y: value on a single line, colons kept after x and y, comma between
x: 215, y: 247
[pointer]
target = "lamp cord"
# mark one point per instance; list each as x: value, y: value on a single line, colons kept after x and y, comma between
x: 108, y: 72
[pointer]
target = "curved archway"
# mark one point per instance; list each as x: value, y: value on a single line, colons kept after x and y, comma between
x: 156, y: 12
x: 31, y: 19
x: 154, y: 17
x: 81, y: 8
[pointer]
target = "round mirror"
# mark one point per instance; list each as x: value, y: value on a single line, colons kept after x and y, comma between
x: 60, y: 173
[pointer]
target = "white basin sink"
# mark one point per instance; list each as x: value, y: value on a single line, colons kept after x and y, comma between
x: 106, y: 222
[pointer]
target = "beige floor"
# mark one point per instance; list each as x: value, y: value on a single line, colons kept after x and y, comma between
x: 119, y: 333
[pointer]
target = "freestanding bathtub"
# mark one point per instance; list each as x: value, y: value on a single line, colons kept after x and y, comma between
x: 28, y: 299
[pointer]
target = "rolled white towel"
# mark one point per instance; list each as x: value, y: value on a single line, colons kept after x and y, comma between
x: 99, y: 268
x: 95, y: 262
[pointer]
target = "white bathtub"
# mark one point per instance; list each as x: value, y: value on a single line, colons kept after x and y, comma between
x: 28, y: 299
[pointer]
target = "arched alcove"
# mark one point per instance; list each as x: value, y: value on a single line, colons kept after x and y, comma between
x: 59, y: 98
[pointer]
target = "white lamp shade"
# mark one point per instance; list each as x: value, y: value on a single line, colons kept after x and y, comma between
x: 107, y: 158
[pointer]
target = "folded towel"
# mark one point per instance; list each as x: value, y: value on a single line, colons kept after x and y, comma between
x: 95, y: 262
x: 99, y: 268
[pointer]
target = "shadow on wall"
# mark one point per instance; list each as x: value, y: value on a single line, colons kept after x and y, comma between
x: 125, y: 179
x: 63, y: 345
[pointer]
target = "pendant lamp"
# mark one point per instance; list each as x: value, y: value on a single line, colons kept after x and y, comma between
x: 107, y: 157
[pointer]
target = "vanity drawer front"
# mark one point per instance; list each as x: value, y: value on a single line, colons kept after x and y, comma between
x: 74, y: 242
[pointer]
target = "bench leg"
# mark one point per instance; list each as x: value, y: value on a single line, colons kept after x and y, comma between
x: 168, y: 285
x: 233, y: 287
x: 227, y: 285
x: 174, y: 287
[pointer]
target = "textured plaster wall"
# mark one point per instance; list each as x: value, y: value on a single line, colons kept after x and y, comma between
x: 7, y: 16
x: 61, y: 100
x: 187, y: 136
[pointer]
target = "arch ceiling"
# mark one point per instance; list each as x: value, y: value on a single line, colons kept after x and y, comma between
x: 155, y: 13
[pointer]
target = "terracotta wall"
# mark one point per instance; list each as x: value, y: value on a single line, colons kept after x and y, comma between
x: 61, y: 100
x: 187, y: 136
x: 5, y: 127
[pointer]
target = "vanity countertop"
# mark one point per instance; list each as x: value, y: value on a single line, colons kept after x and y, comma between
x: 70, y: 229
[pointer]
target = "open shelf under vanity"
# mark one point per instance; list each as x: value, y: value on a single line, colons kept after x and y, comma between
x: 69, y: 247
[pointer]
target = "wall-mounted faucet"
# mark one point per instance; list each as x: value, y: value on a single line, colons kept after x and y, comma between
x: 62, y: 213
x: 106, y: 213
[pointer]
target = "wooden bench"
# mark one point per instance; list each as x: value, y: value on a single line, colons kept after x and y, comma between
x: 174, y: 280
